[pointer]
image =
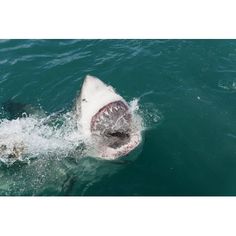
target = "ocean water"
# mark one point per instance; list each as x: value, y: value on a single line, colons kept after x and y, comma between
x: 184, y: 90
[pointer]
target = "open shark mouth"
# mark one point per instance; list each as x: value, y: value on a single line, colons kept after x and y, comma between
x: 112, y: 122
x: 114, y: 116
x: 111, y: 126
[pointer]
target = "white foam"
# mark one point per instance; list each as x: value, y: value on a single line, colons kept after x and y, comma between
x: 147, y: 116
x: 38, y: 136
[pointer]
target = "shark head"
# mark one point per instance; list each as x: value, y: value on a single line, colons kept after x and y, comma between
x: 106, y: 119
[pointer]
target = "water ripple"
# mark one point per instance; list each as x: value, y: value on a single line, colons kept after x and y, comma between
x: 66, y: 58
x: 16, y: 48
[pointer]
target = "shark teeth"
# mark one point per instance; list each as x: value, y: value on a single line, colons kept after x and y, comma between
x: 107, y: 117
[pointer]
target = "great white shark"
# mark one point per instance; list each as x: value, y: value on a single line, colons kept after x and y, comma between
x: 102, y: 116
x: 106, y: 120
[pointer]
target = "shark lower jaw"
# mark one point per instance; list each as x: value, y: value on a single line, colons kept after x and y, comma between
x: 108, y: 153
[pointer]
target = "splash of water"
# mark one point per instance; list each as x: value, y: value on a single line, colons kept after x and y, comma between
x: 31, y: 136
x: 147, y: 116
x: 41, y: 136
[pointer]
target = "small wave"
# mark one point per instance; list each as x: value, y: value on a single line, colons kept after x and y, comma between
x: 28, y: 58
x: 17, y: 48
x: 229, y: 85
x: 146, y: 94
x: 67, y: 58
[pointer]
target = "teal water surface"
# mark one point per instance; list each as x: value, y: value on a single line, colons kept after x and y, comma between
x: 187, y: 95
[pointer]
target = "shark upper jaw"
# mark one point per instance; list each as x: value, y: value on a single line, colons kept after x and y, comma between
x: 105, y: 118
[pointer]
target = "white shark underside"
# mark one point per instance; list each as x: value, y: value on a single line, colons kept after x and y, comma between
x: 106, y: 120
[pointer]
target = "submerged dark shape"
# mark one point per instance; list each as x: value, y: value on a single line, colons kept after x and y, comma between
x: 15, y: 109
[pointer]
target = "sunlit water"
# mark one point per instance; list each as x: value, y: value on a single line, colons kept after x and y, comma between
x: 184, y: 91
